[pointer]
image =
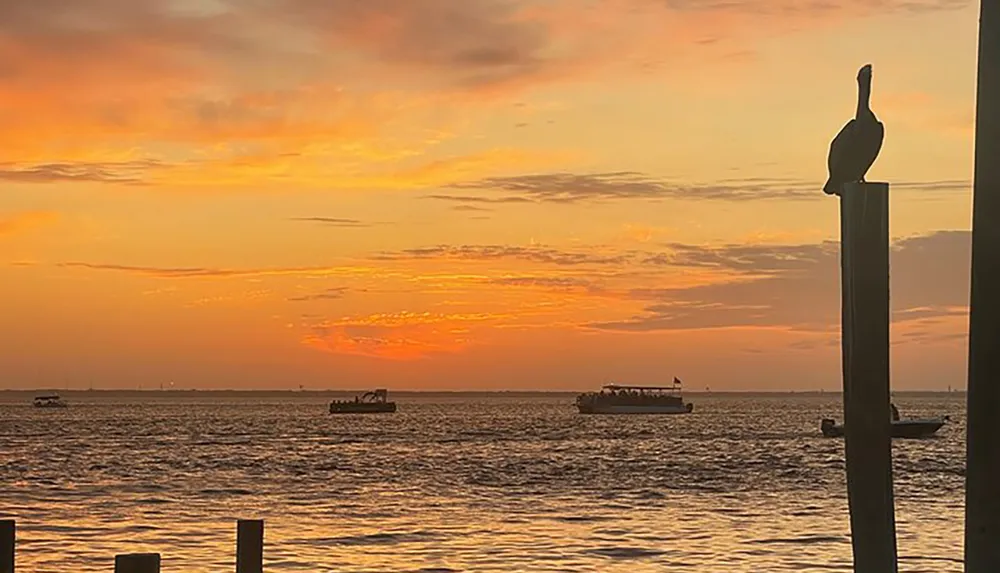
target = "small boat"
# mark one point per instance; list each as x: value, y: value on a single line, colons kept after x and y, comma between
x: 376, y: 402
x: 619, y: 399
x: 49, y: 401
x: 912, y: 428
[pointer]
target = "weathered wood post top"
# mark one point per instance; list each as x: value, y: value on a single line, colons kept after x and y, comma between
x: 137, y: 563
x: 250, y: 546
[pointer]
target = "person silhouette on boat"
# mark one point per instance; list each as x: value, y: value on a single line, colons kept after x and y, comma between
x: 895, y: 412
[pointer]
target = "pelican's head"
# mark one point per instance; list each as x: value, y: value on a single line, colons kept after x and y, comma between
x: 865, y: 73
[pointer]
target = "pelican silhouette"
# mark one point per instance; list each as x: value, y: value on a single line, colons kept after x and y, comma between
x: 857, y: 145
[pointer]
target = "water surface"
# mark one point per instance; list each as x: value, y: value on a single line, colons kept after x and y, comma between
x: 460, y: 482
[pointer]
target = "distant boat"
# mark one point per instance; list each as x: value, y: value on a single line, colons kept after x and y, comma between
x: 619, y: 399
x: 376, y: 402
x: 49, y: 401
x: 913, y: 428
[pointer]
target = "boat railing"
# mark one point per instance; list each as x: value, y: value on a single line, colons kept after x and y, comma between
x: 379, y: 396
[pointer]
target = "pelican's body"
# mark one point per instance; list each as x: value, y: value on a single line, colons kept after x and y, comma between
x: 857, y: 145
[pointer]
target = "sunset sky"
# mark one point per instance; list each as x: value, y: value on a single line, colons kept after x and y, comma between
x: 469, y: 194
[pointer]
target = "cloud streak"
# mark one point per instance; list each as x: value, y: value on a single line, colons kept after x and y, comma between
x: 329, y: 294
x: 628, y: 185
x: 333, y: 221
x: 125, y: 172
x: 208, y: 272
x: 537, y: 254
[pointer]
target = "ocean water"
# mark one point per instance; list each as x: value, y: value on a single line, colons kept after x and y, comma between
x: 460, y: 482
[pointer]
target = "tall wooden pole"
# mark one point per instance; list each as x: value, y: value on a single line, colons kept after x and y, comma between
x: 864, y: 252
x: 982, y: 481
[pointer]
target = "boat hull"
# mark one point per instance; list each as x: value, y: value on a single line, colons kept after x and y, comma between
x: 633, y: 409
x: 905, y: 429
x: 363, y: 408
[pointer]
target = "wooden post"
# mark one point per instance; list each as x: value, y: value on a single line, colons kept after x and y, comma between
x: 137, y: 563
x: 982, y: 493
x: 864, y: 244
x: 250, y: 546
x: 7, y: 537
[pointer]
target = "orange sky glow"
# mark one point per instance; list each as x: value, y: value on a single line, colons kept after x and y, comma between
x: 476, y: 194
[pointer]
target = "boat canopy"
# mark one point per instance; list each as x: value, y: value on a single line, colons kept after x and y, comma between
x: 378, y: 395
x: 47, y: 397
x: 675, y: 386
x: 640, y: 388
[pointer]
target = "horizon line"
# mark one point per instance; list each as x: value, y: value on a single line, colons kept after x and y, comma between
x: 431, y: 391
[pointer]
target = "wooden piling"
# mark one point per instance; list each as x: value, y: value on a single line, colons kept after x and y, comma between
x: 250, y: 546
x: 7, y: 540
x: 982, y: 494
x: 864, y: 230
x: 137, y: 563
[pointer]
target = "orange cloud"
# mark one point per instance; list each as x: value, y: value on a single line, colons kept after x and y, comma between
x: 395, y: 336
x: 235, y: 91
x: 388, y: 347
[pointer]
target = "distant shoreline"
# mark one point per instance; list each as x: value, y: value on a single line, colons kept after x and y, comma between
x: 191, y: 392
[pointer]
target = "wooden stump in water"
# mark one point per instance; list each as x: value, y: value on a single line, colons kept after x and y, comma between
x: 7, y: 534
x: 137, y: 563
x: 250, y: 546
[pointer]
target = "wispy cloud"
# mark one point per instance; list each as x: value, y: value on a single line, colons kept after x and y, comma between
x: 207, y: 272
x: 328, y: 294
x: 570, y: 187
x: 537, y: 254
x: 623, y: 185
x: 130, y: 172
x: 556, y: 282
x: 473, y: 208
x: 333, y: 221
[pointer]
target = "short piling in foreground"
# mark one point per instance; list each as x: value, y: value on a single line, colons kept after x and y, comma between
x: 982, y: 492
x: 250, y: 546
x: 7, y: 532
x: 864, y: 228
x: 137, y: 563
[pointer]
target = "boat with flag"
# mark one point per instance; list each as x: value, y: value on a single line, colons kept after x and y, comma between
x: 623, y: 399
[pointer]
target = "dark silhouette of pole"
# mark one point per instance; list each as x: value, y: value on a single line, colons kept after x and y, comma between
x: 137, y: 563
x: 250, y: 546
x: 982, y: 481
x: 864, y: 255
x: 7, y: 540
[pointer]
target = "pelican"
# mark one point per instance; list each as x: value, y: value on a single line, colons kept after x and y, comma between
x: 857, y: 145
